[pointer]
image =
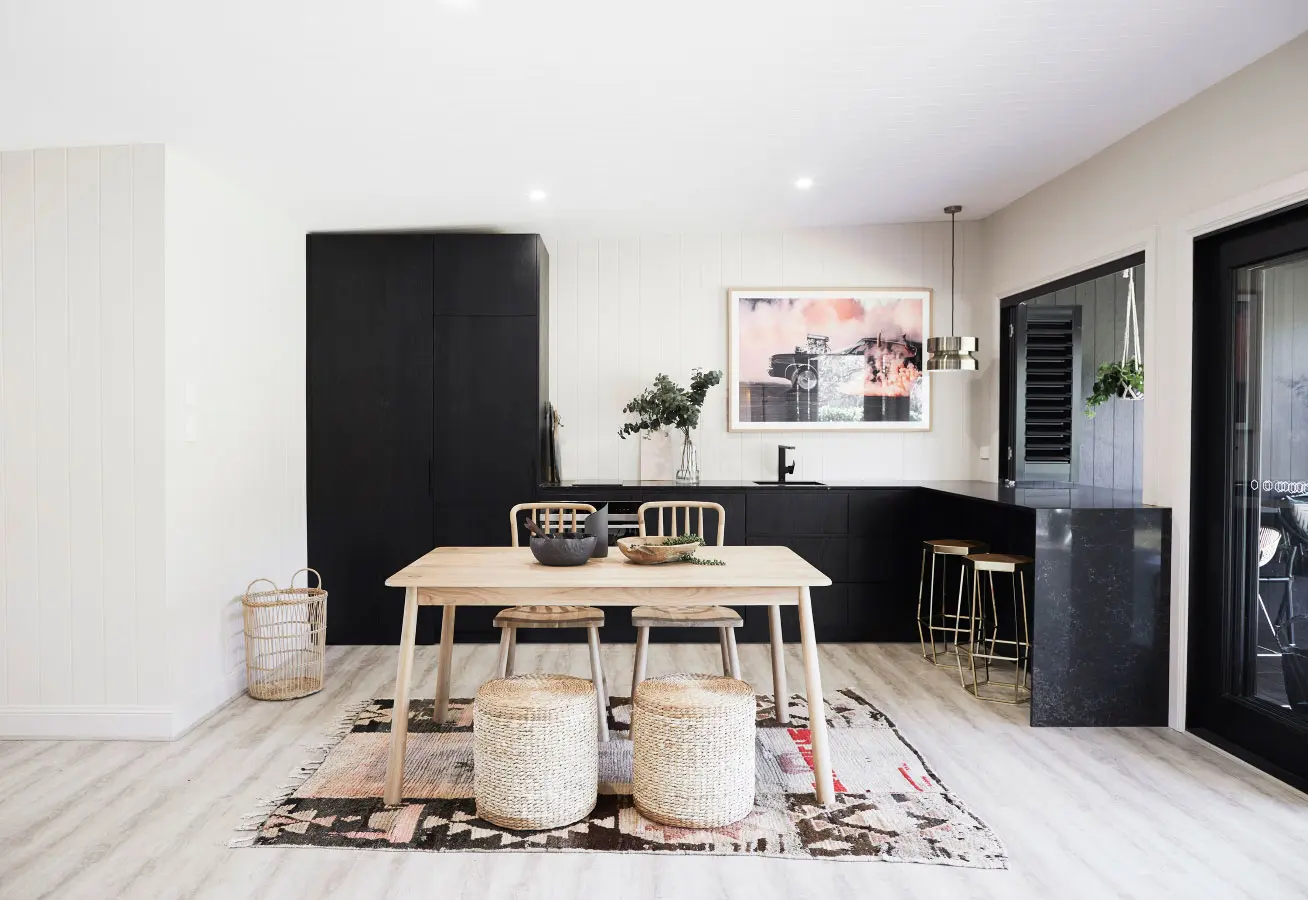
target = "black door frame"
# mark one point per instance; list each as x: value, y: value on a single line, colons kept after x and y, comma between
x: 1273, y: 739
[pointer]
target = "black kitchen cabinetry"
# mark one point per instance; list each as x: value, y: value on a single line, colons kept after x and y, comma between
x: 425, y: 379
x: 815, y: 524
x: 865, y: 540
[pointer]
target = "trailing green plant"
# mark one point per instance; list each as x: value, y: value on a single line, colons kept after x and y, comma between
x: 697, y: 561
x: 682, y: 539
x: 668, y: 405
x: 1115, y: 379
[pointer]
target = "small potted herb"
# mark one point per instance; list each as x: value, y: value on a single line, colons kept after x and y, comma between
x: 668, y: 405
x: 1116, y: 379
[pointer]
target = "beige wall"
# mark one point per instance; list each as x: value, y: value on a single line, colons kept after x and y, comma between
x: 1196, y: 167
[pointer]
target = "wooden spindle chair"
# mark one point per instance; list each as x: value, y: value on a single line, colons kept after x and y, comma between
x: 554, y: 517
x: 725, y: 620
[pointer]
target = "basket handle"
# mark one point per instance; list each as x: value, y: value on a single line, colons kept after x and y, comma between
x: 306, y: 577
x: 256, y: 581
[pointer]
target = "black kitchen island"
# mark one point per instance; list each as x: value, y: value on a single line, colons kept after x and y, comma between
x: 1100, y: 604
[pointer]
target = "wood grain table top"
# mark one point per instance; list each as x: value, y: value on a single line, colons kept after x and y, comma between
x: 514, y: 567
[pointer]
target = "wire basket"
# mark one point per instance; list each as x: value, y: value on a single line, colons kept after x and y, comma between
x: 285, y: 639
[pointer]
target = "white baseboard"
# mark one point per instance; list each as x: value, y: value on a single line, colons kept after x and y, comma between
x: 118, y: 723
x: 86, y: 723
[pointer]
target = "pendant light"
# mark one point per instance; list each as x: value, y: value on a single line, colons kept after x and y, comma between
x: 952, y: 353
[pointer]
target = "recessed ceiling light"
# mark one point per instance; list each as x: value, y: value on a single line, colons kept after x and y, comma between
x: 460, y: 4
x: 537, y: 196
x: 804, y: 183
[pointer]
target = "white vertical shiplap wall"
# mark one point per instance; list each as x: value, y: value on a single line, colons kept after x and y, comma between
x: 625, y: 307
x: 81, y: 433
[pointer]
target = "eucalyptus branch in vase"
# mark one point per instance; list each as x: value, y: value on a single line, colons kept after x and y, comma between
x: 667, y: 404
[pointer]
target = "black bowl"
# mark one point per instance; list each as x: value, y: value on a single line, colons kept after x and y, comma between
x: 563, y: 550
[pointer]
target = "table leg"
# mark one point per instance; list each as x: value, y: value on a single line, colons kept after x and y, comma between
x: 817, y: 719
x: 779, y: 691
x: 592, y: 639
x: 513, y: 651
x: 442, y: 703
x: 400, y: 712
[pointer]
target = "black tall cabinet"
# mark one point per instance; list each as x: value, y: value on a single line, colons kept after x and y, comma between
x: 425, y: 380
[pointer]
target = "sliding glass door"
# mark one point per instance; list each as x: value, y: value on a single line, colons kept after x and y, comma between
x: 1248, y: 686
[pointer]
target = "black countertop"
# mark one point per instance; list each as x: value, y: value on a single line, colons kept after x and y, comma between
x: 1044, y: 497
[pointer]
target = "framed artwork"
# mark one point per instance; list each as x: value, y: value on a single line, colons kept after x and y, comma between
x: 828, y: 359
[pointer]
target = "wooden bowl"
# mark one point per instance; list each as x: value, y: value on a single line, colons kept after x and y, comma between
x: 655, y: 550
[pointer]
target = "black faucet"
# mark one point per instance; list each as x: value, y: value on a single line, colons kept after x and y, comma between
x: 782, y: 469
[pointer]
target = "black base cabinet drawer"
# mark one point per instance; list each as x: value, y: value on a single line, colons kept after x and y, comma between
x: 883, y: 612
x: 829, y: 555
x: 889, y: 558
x: 830, y: 617
x: 791, y: 511
x: 881, y: 513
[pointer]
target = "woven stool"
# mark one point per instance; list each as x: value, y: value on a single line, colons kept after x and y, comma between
x: 535, y: 751
x: 693, y: 749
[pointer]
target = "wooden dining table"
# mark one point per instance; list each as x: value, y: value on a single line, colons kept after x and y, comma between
x: 451, y: 577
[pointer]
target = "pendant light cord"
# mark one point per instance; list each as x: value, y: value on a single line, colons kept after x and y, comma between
x: 953, y: 238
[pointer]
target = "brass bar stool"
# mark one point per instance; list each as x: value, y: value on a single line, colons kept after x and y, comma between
x: 932, y: 622
x: 984, y: 644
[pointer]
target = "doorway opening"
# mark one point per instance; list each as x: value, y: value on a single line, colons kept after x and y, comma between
x: 1054, y: 342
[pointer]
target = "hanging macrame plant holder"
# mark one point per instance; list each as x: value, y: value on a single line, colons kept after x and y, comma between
x: 1124, y: 379
x: 1131, y: 338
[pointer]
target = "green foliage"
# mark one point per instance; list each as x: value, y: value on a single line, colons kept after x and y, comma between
x: 1112, y: 380
x: 682, y: 539
x: 696, y: 561
x: 668, y: 405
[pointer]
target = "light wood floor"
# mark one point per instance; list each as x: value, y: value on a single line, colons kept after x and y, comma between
x: 1084, y: 813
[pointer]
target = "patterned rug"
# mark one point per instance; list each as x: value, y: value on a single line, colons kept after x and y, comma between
x: 890, y: 805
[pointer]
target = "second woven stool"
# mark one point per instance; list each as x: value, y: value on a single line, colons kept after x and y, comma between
x: 693, y: 746
x: 535, y: 751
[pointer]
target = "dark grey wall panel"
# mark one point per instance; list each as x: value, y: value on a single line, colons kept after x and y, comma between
x: 1085, y: 298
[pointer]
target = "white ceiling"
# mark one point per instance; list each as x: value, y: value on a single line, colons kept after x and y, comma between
x: 405, y: 113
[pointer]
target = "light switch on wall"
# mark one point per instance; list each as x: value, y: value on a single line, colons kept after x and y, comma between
x: 985, y: 452
x: 190, y: 429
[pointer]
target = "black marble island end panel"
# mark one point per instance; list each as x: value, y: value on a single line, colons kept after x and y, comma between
x: 1101, y: 617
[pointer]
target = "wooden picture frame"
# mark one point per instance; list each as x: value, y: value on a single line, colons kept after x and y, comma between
x: 828, y: 359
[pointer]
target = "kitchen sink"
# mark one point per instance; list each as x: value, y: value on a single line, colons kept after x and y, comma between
x: 790, y: 482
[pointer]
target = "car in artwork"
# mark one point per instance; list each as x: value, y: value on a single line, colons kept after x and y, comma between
x: 892, y: 363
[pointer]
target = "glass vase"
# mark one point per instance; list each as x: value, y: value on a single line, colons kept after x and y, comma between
x: 688, y: 471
